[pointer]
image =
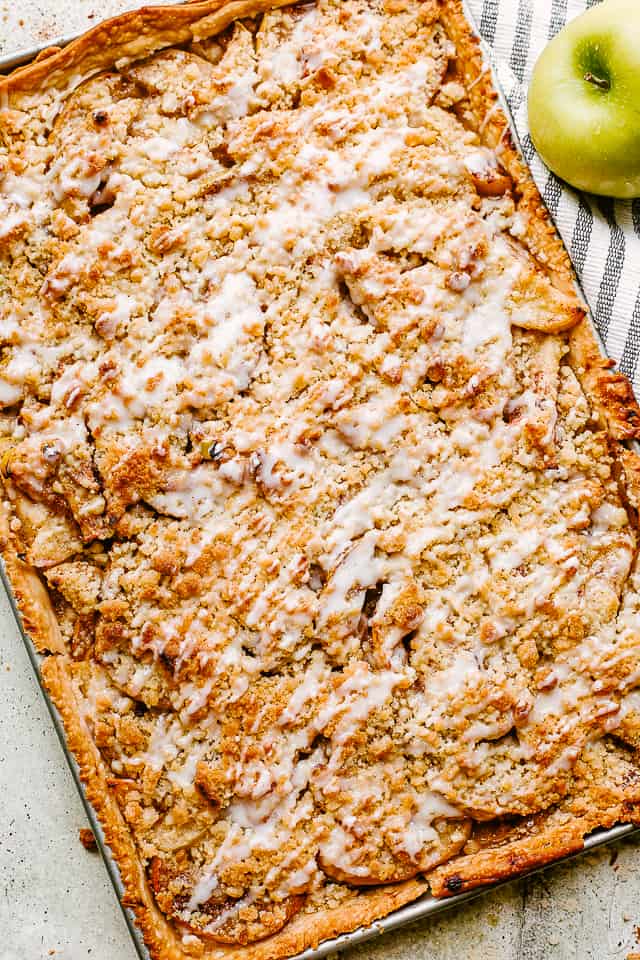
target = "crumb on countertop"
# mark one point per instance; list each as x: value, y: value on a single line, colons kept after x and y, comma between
x: 87, y: 839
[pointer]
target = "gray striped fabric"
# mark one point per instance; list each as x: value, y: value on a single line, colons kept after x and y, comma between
x: 601, y: 235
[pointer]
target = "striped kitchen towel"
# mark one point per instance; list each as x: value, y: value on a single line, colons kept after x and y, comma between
x: 601, y: 235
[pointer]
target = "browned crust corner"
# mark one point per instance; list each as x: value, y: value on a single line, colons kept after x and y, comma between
x: 495, y: 865
x: 492, y: 866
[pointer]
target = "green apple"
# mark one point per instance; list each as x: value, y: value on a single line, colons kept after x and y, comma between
x: 584, y: 101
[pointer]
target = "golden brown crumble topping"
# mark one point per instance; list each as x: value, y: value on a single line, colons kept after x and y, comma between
x: 341, y: 552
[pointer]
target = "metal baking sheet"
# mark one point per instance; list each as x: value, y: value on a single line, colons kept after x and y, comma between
x: 20, y: 57
x: 425, y: 906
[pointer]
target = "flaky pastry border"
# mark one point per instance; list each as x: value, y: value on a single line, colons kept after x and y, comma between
x: 140, y: 33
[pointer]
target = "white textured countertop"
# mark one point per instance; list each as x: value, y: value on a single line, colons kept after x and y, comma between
x: 56, y: 899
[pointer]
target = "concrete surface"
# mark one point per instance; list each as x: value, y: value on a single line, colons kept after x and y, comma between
x: 56, y: 899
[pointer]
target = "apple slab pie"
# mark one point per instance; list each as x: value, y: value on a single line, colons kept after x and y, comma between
x: 318, y: 498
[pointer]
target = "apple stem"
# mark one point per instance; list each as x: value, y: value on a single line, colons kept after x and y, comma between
x: 598, y: 81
